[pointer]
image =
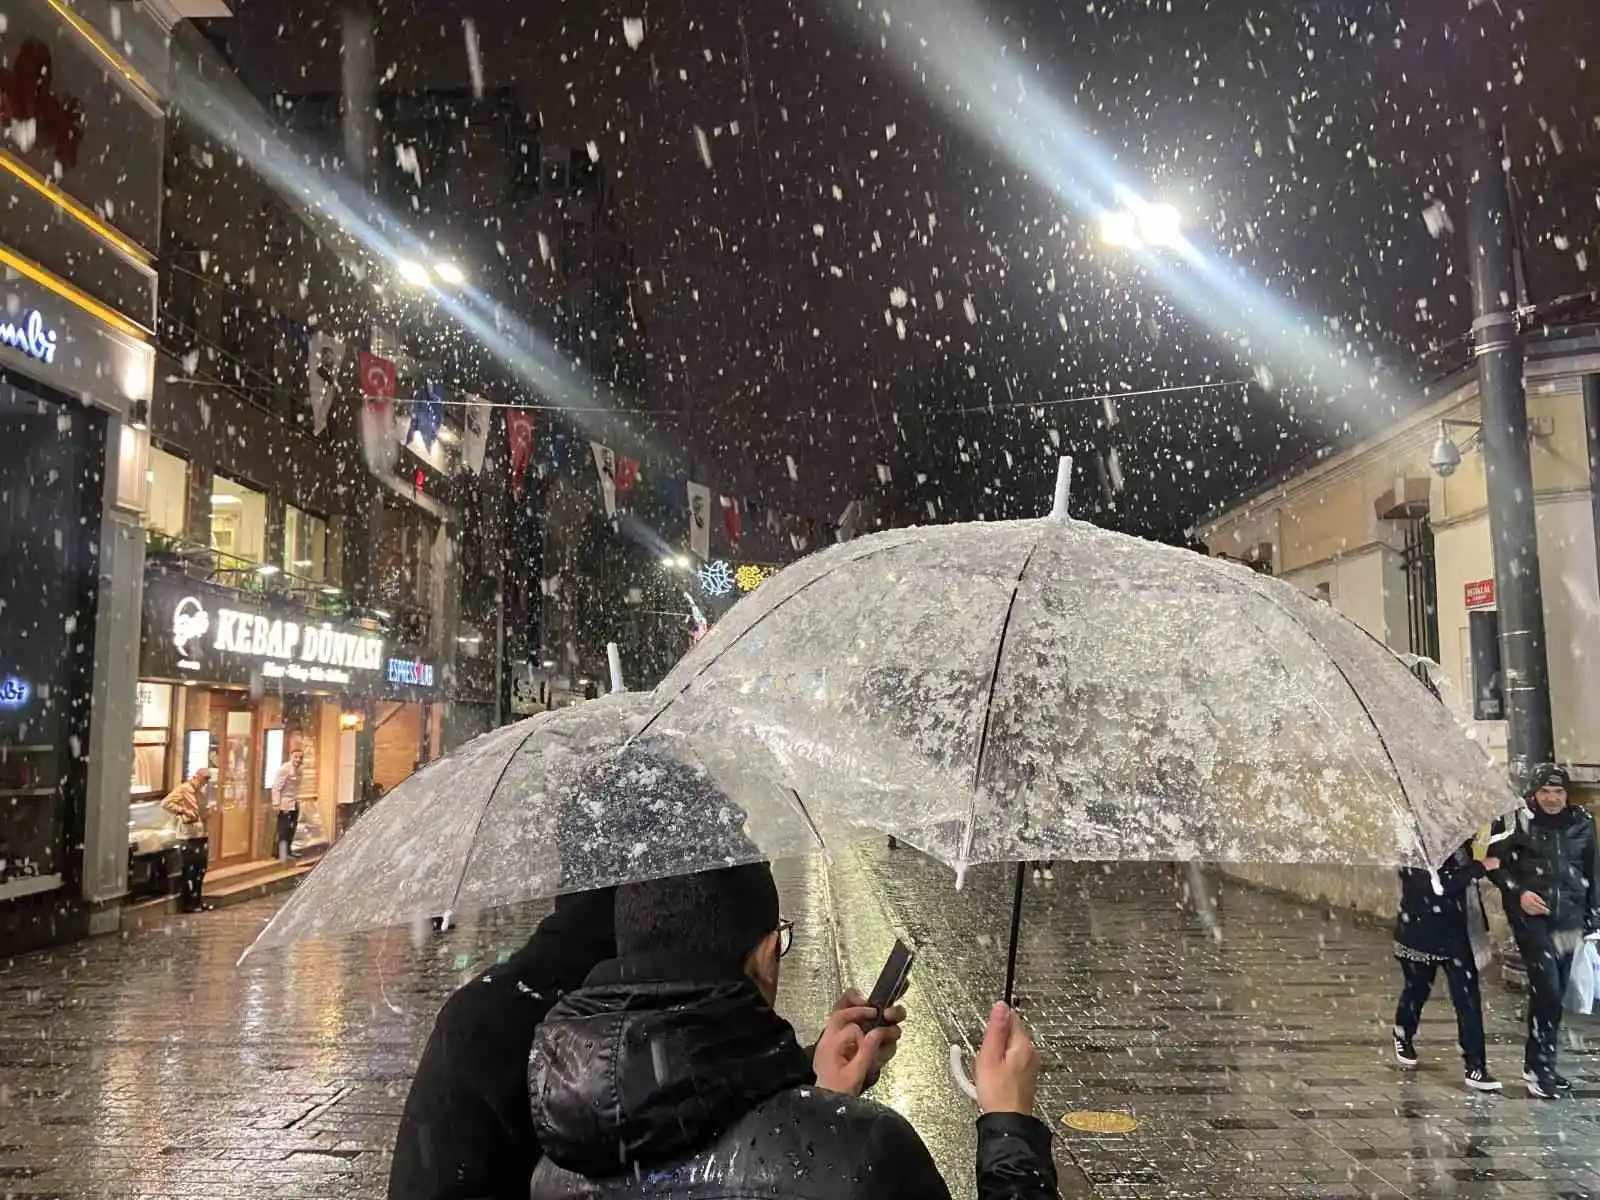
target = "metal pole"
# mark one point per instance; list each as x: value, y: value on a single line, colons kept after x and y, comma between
x: 1591, y: 421
x: 500, y: 659
x: 1016, y: 931
x: 1497, y: 343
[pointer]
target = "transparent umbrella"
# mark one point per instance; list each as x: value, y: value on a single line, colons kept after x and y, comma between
x: 561, y: 802
x: 1045, y: 689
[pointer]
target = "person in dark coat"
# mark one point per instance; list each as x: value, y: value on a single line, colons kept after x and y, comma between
x: 1439, y: 914
x: 466, y: 1132
x: 669, y: 1074
x: 1549, y: 878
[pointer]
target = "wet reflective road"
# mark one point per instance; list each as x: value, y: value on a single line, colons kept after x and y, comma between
x: 149, y: 1065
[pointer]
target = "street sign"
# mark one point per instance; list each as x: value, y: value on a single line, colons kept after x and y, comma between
x: 1479, y: 593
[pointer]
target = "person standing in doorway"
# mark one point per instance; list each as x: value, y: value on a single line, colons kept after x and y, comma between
x: 286, y: 797
x: 1440, y: 920
x: 1549, y: 877
x: 187, y: 804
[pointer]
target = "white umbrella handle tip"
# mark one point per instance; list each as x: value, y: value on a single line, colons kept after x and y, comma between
x: 958, y: 1072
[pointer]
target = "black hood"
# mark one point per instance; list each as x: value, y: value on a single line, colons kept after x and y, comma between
x: 630, y: 1072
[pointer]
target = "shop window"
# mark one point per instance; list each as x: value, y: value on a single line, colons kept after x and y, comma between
x: 238, y: 520
x: 152, y: 740
x: 306, y: 546
x: 168, y: 513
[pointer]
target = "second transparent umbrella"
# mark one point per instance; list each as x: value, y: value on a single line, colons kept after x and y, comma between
x: 561, y: 802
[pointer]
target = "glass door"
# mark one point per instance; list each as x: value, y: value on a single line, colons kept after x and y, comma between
x: 234, y: 787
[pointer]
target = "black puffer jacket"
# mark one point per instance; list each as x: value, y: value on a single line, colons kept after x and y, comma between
x: 1553, y: 857
x: 465, y: 1133
x: 689, y: 1091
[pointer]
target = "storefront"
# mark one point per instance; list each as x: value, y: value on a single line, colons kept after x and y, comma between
x: 81, y: 195
x: 238, y: 684
x: 408, y: 724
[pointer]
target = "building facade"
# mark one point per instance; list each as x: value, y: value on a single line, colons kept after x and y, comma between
x: 80, y: 88
x: 1404, y: 551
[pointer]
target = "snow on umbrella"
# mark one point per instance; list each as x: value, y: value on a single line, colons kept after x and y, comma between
x: 1045, y: 689
x: 561, y: 802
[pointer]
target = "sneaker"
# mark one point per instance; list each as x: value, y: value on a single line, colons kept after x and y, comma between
x: 1563, y: 1084
x: 1542, y: 1085
x: 1479, y: 1080
x: 1404, y: 1052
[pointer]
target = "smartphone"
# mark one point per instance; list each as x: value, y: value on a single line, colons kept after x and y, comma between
x: 892, y: 980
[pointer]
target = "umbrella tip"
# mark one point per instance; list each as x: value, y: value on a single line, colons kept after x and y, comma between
x: 1063, y: 488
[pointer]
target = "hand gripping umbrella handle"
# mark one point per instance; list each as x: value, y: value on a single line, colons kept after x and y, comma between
x: 958, y: 1072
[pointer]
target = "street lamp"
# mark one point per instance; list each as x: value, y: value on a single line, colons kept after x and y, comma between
x: 449, y: 273
x: 413, y: 273
x: 1140, y: 225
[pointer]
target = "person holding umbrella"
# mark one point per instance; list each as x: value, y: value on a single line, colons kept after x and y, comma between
x: 1549, y: 877
x: 669, y: 1067
x: 1440, y: 920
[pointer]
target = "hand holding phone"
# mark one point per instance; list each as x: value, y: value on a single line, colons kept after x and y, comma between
x: 892, y: 980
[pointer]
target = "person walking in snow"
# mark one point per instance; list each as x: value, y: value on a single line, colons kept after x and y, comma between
x: 1440, y: 919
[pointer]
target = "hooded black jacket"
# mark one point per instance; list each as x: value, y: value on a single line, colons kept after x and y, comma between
x: 1437, y: 922
x: 1556, y: 859
x: 694, y: 1091
x: 466, y: 1133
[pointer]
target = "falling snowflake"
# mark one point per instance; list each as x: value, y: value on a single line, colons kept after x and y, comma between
x: 716, y: 579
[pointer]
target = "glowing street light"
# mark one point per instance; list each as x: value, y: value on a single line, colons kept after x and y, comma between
x: 1139, y: 225
x: 450, y: 273
x: 414, y: 273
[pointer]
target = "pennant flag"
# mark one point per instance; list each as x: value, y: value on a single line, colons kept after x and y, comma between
x: 378, y: 439
x: 700, y: 520
x: 730, y: 520
x: 326, y: 358
x: 627, y: 474
x: 605, y: 462
x: 427, y: 413
x: 519, y: 431
x: 378, y: 380
x: 475, y: 442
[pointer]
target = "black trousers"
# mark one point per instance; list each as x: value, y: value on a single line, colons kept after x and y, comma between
x: 287, y: 823
x: 1462, y: 975
x: 194, y: 853
x: 1549, y: 972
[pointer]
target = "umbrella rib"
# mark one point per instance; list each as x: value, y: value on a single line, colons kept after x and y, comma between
x: 455, y: 897
x: 988, y: 707
x: 1399, y: 779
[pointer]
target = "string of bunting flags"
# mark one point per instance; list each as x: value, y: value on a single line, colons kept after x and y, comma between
x: 710, y: 521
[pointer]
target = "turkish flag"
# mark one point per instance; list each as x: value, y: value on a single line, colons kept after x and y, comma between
x: 378, y: 381
x: 731, y: 520
x: 627, y: 474
x: 519, y: 427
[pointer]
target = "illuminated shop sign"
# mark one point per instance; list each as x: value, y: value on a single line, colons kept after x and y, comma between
x: 31, y: 336
x: 14, y: 692
x: 305, y: 653
x: 406, y: 671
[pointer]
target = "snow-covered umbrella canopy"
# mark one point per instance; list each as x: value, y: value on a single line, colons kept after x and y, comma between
x: 1038, y: 689
x: 561, y: 802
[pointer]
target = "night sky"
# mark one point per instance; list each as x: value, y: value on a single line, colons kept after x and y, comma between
x: 869, y: 249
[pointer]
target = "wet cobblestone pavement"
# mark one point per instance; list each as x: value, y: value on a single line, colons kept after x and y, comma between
x: 1257, y: 1066
x: 149, y: 1066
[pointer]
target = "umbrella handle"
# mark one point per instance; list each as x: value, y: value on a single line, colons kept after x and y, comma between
x: 958, y: 1072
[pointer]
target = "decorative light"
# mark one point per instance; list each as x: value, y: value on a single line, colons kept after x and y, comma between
x: 716, y: 579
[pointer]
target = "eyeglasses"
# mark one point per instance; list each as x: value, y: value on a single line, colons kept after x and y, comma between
x: 785, y: 937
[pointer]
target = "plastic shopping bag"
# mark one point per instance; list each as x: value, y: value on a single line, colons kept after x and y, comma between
x: 1585, y: 979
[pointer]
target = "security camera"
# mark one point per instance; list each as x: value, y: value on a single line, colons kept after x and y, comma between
x: 1446, y: 456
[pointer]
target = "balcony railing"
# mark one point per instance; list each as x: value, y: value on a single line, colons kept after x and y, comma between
x: 261, y: 580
